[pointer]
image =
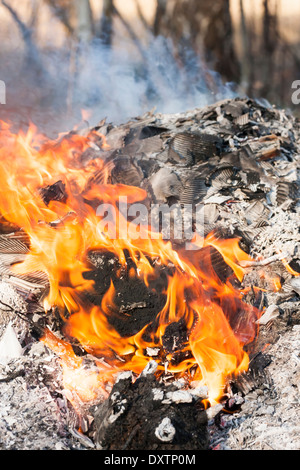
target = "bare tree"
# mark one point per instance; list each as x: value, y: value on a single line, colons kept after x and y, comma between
x: 159, y: 15
x: 106, y: 24
x: 32, y: 59
x: 62, y: 9
x: 247, y: 70
x: 269, y: 45
x: 84, y: 21
x: 204, y: 26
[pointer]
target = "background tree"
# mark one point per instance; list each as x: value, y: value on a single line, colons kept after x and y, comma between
x: 188, y: 44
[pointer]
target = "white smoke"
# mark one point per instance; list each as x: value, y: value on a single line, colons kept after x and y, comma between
x: 121, y: 86
x: 118, y: 83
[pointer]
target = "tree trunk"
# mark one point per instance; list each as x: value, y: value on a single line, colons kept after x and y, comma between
x: 159, y: 14
x: 84, y: 21
x: 247, y: 69
x: 269, y: 47
x: 106, y: 27
x: 206, y: 26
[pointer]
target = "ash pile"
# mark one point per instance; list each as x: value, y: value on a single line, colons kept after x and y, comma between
x: 238, y: 161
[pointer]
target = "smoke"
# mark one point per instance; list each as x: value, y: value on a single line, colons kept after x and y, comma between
x: 116, y: 83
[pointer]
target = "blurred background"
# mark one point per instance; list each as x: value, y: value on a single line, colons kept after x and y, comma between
x: 64, y: 61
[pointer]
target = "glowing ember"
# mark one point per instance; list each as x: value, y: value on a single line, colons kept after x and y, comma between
x: 216, y: 320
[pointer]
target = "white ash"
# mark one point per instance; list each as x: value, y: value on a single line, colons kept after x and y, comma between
x: 30, y: 417
x: 15, y: 302
x: 269, y: 419
x: 213, y: 411
x: 10, y: 296
x: 295, y: 284
x: 150, y: 368
x: 10, y: 348
x: 120, y: 408
x: 158, y: 394
x: 115, y: 397
x: 199, y: 392
x: 124, y: 375
x: 198, y: 389
x: 281, y: 235
x: 269, y: 314
x: 152, y: 351
x: 178, y: 396
x: 165, y: 432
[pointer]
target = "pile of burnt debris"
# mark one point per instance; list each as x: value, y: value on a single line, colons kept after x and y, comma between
x: 238, y: 161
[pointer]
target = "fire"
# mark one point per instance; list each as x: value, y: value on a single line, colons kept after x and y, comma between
x: 81, y: 384
x: 216, y: 322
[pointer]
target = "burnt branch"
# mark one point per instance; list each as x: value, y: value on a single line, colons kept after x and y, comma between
x: 63, y: 14
x: 25, y: 31
x: 33, y: 56
x: 39, y: 330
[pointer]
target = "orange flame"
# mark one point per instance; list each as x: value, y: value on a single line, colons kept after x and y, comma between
x: 216, y: 321
x: 81, y: 384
